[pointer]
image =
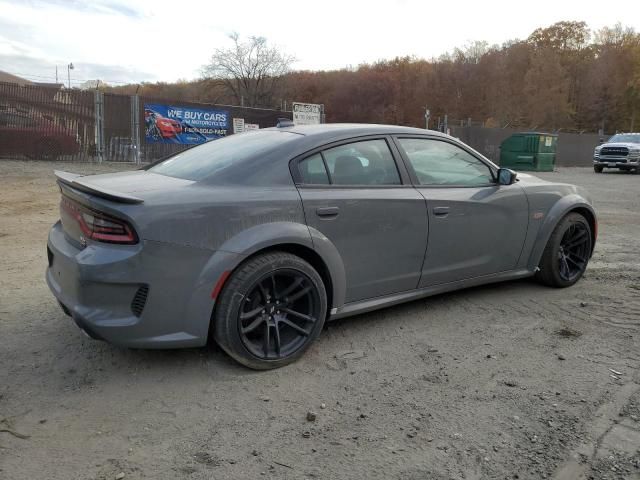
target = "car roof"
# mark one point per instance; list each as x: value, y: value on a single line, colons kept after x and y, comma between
x: 270, y: 164
x: 332, y: 130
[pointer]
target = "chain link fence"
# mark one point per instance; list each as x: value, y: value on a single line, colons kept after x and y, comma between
x: 53, y: 123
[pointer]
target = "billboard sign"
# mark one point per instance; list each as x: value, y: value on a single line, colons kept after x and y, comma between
x: 185, y: 125
x: 307, y: 113
x: 238, y: 125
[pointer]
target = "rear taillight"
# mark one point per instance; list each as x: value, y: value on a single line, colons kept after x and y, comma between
x: 98, y: 226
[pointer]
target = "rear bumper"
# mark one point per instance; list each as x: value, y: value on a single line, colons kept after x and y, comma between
x: 99, y: 287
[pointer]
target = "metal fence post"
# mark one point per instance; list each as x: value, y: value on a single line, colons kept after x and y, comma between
x: 99, y: 125
x: 135, y: 127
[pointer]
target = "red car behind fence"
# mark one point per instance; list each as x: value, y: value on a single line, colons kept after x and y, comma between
x: 36, y: 138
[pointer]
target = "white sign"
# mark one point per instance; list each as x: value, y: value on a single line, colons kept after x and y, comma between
x: 238, y: 125
x: 251, y: 126
x: 307, y: 113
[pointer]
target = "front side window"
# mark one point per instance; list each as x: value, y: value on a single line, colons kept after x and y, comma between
x: 440, y: 163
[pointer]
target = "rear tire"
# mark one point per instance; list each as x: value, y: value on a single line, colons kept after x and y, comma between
x: 567, y: 252
x: 597, y: 168
x: 270, y: 311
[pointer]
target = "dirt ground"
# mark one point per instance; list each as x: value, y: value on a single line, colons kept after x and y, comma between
x: 512, y: 380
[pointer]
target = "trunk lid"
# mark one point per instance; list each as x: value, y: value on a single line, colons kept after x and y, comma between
x: 109, y: 195
x: 121, y: 187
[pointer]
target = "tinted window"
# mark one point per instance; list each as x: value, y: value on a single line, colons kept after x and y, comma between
x: 206, y: 160
x: 313, y: 171
x: 362, y: 163
x: 441, y: 163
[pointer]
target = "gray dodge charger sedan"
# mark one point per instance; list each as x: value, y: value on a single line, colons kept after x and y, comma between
x: 259, y: 238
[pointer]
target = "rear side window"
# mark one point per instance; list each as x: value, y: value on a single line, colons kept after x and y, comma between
x: 206, y: 160
x: 367, y: 162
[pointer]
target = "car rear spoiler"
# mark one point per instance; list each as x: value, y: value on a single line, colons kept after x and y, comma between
x: 74, y: 180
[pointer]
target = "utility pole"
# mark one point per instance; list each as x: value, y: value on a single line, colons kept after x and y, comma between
x: 56, y: 74
x: 69, y: 68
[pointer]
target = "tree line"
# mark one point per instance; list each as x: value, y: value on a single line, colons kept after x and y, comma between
x: 564, y: 77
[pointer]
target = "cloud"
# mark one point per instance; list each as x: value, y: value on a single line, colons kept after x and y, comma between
x: 149, y: 40
x: 106, y: 7
x: 24, y: 66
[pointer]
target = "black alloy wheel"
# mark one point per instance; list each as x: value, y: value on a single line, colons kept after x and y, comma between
x: 278, y: 314
x: 270, y: 310
x: 574, y: 252
x: 567, y: 252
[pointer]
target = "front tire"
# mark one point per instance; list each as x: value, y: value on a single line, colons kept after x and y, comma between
x: 270, y: 311
x: 597, y: 168
x: 567, y: 253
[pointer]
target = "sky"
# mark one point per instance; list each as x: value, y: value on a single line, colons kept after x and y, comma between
x: 131, y: 41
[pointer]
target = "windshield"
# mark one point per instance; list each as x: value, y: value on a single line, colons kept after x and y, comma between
x: 206, y: 160
x: 625, y: 138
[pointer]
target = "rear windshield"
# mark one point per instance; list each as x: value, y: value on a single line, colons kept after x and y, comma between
x: 204, y: 161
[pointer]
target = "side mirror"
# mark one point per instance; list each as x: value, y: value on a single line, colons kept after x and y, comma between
x: 506, y: 176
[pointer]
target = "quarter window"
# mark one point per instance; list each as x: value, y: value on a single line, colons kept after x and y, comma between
x: 440, y: 163
x: 313, y: 171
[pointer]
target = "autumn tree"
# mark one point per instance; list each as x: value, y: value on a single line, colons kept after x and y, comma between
x: 562, y: 76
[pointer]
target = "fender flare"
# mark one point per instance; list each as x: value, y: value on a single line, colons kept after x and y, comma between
x: 253, y: 240
x: 556, y: 213
x: 269, y: 235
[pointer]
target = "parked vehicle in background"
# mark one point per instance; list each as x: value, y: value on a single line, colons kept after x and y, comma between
x: 258, y: 238
x: 37, y: 138
x: 622, y: 151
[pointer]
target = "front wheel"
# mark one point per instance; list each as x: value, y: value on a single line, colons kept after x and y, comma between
x: 597, y: 168
x: 567, y: 253
x: 270, y: 311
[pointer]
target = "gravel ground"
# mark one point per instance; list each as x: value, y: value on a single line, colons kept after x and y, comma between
x: 512, y: 380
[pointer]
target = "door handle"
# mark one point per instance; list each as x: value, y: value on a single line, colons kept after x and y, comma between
x: 441, y: 211
x: 327, y: 211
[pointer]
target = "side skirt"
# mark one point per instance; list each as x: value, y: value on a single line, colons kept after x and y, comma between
x: 371, y: 304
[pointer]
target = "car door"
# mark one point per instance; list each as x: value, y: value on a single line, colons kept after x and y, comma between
x: 476, y: 227
x: 354, y: 194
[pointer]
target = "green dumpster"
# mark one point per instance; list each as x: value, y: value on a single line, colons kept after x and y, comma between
x: 530, y: 151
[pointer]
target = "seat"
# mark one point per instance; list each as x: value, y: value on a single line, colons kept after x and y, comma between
x: 348, y: 171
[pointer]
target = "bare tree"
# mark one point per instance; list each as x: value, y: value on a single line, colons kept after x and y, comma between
x: 251, y: 70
